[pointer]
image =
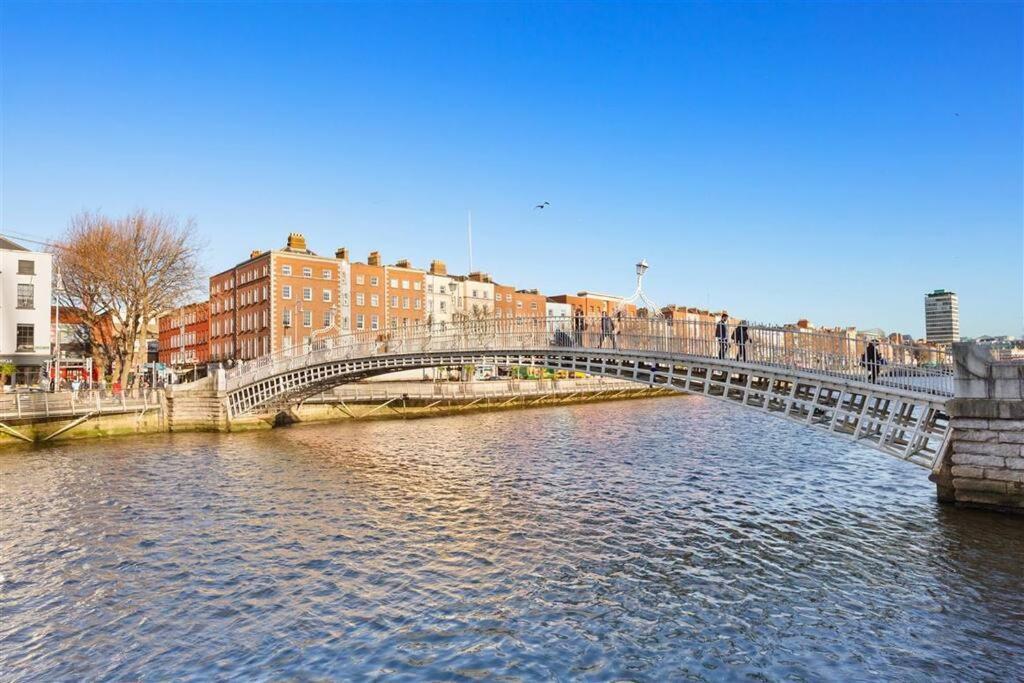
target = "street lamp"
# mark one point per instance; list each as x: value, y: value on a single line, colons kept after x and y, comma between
x: 638, y: 296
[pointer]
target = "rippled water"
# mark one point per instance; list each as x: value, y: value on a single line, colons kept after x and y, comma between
x: 660, y: 539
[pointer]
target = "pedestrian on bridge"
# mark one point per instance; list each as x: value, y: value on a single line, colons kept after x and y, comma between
x: 607, y: 330
x: 741, y: 336
x: 722, y: 334
x: 578, y: 325
x: 872, y: 360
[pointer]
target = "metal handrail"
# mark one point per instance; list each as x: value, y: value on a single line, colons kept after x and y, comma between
x: 917, y: 368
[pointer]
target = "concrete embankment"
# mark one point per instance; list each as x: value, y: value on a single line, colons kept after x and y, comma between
x: 197, y: 408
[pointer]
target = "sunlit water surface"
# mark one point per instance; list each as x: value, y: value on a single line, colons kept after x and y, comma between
x: 662, y: 539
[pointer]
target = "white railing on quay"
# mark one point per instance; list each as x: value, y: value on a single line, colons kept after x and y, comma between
x: 24, y: 405
x: 902, y: 366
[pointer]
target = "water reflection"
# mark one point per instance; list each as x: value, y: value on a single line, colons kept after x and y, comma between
x: 677, y: 538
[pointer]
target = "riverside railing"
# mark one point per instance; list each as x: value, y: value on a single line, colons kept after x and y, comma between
x: 72, y: 404
x: 843, y: 354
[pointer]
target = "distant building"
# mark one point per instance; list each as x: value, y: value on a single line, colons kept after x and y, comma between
x: 25, y: 291
x: 184, y: 335
x: 941, y: 317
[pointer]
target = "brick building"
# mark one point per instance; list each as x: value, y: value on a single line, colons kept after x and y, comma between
x: 183, y: 335
x: 277, y: 300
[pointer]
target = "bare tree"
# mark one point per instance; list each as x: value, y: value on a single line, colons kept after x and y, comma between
x: 122, y: 272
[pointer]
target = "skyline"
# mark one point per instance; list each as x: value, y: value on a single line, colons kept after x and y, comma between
x: 714, y: 142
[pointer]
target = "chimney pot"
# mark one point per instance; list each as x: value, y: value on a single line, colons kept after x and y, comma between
x: 373, y: 259
x: 341, y: 254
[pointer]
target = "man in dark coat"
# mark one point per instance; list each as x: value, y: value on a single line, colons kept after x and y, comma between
x: 871, y: 360
x: 578, y: 325
x: 722, y: 334
x: 741, y: 335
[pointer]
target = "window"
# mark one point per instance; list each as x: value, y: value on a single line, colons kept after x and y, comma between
x: 405, y: 302
x: 359, y: 322
x: 360, y: 280
x: 326, y: 273
x: 26, y: 338
x: 307, y: 272
x: 344, y: 298
x: 416, y: 286
x: 374, y: 300
x: 394, y: 283
x: 416, y: 304
x: 307, y: 293
x: 307, y: 318
x: 328, y: 318
x: 430, y: 288
x: 394, y: 323
x: 497, y: 297
x: 26, y: 296
x: 508, y: 297
x: 327, y: 295
x: 475, y: 293
x: 26, y: 267
x: 374, y: 280
x: 286, y: 318
x: 442, y: 306
x: 286, y: 270
x: 286, y: 292
x: 394, y: 302
x: 360, y: 299
x: 533, y: 305
x: 519, y: 304
x: 374, y: 323
x: 405, y: 284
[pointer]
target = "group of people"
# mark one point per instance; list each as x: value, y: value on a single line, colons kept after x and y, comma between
x: 608, y: 327
x: 740, y: 335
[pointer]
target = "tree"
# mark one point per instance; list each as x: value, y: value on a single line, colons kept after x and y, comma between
x: 7, y: 369
x: 121, y: 272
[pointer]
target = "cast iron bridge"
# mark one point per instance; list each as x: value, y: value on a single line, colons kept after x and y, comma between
x: 822, y: 380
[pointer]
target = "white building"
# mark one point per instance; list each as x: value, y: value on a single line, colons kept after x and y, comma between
x: 25, y: 292
x: 475, y: 296
x: 442, y: 300
x: 941, y: 317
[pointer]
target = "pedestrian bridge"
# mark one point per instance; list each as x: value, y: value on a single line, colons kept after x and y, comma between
x: 821, y: 380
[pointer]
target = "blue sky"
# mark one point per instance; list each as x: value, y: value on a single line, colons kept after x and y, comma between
x: 830, y: 161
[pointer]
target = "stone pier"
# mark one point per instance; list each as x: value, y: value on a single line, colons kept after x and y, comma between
x: 983, y: 465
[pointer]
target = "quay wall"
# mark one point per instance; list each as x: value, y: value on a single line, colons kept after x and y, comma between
x: 984, y: 463
x: 198, y: 407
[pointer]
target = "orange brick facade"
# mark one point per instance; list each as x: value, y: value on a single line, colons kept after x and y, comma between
x: 183, y: 335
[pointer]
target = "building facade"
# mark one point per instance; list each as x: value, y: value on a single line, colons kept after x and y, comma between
x: 25, y: 293
x: 942, y: 317
x: 276, y: 301
x: 442, y: 294
x: 183, y: 335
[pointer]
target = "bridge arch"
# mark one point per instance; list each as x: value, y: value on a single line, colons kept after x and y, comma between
x: 902, y: 414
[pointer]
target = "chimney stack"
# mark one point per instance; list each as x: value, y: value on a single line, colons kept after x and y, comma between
x: 403, y: 263
x: 296, y: 242
x: 341, y: 254
x: 438, y: 268
x: 373, y: 259
x: 254, y: 253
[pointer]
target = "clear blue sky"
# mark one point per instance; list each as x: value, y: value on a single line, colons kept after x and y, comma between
x: 829, y: 161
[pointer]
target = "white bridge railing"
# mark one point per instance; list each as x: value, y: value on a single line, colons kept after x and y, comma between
x: 925, y: 370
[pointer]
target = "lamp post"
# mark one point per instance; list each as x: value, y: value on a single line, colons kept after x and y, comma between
x: 638, y: 295
x: 297, y: 309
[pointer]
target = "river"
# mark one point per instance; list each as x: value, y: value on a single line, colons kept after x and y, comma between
x: 671, y: 539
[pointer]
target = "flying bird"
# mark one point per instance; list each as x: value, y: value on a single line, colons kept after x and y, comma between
x: 543, y: 205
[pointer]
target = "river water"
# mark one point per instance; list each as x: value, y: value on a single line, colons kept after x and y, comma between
x: 672, y: 539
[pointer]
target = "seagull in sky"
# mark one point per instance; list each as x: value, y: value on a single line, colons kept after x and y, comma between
x: 543, y: 205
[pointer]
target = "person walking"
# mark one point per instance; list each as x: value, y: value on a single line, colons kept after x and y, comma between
x: 741, y: 336
x: 722, y: 334
x: 578, y: 325
x: 871, y: 360
x: 616, y: 329
x: 607, y: 330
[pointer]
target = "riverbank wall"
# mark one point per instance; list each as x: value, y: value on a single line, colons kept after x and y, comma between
x: 983, y: 465
x: 198, y: 407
